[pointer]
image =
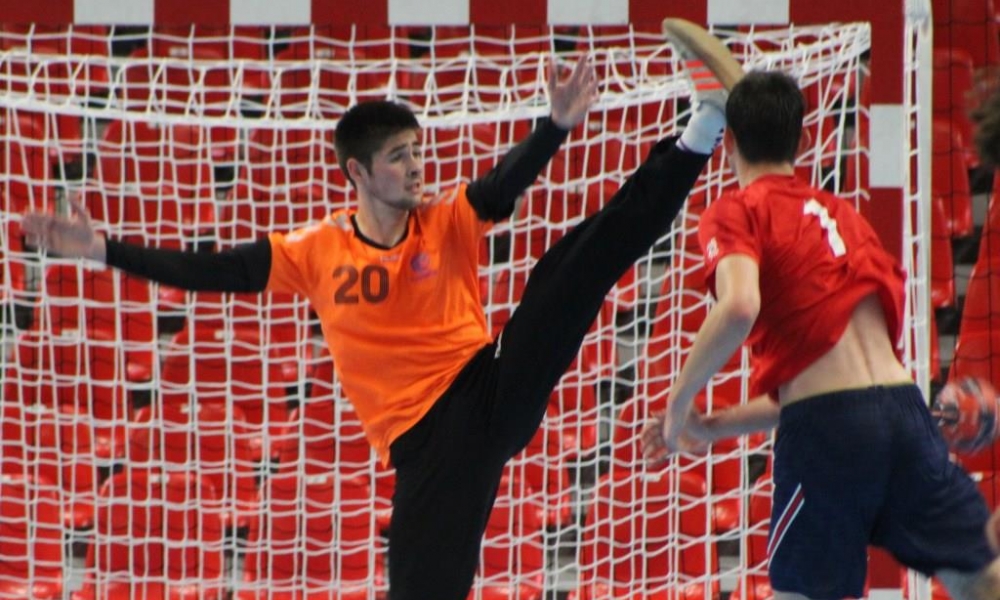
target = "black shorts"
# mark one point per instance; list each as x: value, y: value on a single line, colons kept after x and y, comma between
x: 449, y: 465
x: 864, y: 467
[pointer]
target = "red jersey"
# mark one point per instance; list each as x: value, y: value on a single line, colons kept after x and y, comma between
x: 400, y: 322
x: 817, y: 257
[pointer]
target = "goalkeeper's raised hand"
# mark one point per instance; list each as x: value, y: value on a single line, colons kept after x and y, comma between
x: 69, y: 237
x: 572, y: 96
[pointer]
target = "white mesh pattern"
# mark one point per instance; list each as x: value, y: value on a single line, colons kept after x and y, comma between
x: 216, y: 138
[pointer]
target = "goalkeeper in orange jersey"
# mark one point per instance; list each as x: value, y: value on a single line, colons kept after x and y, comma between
x: 394, y: 282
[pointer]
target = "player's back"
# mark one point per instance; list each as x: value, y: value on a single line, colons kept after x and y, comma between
x: 818, y: 259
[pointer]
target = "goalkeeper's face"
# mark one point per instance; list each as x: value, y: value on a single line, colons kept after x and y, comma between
x: 397, y: 172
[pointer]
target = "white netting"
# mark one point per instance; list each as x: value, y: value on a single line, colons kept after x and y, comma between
x: 201, y: 440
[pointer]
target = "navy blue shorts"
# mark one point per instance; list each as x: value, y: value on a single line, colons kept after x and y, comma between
x: 864, y: 467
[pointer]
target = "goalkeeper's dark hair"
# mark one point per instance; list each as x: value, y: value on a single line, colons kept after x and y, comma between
x: 987, y: 136
x: 365, y: 127
x: 764, y: 112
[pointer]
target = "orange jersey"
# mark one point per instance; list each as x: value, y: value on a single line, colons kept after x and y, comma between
x: 401, y: 322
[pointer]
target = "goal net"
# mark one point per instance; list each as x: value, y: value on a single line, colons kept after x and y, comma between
x: 200, y: 443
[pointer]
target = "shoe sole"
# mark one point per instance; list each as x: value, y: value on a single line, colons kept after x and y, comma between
x: 705, y: 47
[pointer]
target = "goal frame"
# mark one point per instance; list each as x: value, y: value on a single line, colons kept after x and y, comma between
x: 892, y: 47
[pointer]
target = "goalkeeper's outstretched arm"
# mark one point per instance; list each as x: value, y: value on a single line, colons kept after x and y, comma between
x: 493, y: 196
x: 242, y: 269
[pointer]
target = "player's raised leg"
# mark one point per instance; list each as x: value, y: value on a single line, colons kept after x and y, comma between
x: 568, y: 285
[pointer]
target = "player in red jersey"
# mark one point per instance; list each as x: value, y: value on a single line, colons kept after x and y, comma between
x: 987, y: 138
x: 394, y: 283
x: 802, y: 277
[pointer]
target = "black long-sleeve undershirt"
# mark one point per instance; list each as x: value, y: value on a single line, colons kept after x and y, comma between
x: 495, y: 194
x: 246, y: 268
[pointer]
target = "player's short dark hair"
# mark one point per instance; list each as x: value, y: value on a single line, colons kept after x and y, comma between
x: 764, y: 112
x: 366, y: 126
x: 987, y: 136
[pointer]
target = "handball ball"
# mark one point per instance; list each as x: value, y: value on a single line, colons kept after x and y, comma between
x: 966, y: 409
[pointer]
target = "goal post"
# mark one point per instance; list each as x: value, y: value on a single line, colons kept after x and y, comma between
x: 202, y: 440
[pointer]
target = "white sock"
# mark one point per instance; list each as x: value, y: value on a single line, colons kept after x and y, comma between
x: 704, y: 130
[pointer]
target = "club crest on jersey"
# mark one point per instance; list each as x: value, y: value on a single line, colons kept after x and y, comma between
x: 712, y: 250
x: 421, y: 267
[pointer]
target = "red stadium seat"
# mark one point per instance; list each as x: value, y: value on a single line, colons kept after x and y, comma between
x: 541, y: 466
x: 349, y: 444
x: 977, y: 354
x: 228, y: 365
x: 83, y: 374
x: 950, y: 178
x: 325, y: 436
x: 31, y: 564
x: 377, y: 41
x: 290, y: 179
x: 104, y: 299
x: 609, y: 146
x: 989, y: 241
x: 25, y: 160
x: 183, y: 41
x: 156, y: 536
x: 321, y: 376
x: 506, y: 77
x: 293, y: 158
x: 490, y: 40
x: 72, y: 44
x: 284, y: 209
x: 723, y: 464
x: 469, y: 151
x: 629, y: 547
x: 155, y: 215
x: 314, y: 540
x: 981, y: 311
x: 239, y: 42
x: 212, y: 439
x: 336, y: 82
x: 953, y: 85
x: 437, y: 84
x: 14, y: 295
x: 755, y: 585
x: 626, y: 449
x: 970, y: 25
x: 200, y: 84
x: 513, y: 564
x: 49, y: 74
x: 90, y: 375
x: 136, y: 152
x: 545, y: 218
x: 29, y: 373
x: 55, y: 450
x: 279, y: 319
x: 942, y: 261
x: 573, y: 413
x: 153, y: 184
